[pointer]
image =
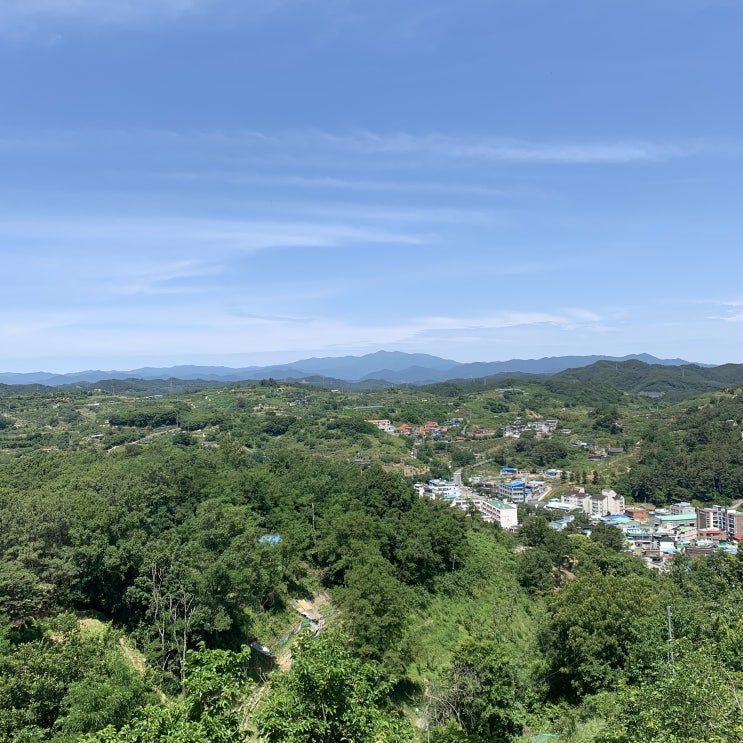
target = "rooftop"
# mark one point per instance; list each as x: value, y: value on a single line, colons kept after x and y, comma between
x: 676, y: 516
x: 501, y: 504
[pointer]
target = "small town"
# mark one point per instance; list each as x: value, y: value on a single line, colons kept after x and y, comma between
x: 655, y: 534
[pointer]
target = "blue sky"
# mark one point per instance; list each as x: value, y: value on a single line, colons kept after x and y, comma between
x: 257, y: 181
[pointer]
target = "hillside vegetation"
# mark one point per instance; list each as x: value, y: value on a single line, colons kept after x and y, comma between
x: 149, y: 538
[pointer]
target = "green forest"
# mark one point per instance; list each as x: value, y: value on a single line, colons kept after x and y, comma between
x: 252, y: 563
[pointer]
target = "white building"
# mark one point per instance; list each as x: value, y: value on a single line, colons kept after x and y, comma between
x: 383, y: 425
x: 607, y: 503
x: 491, y: 509
x: 506, y: 514
x: 683, y: 507
x: 438, y: 489
x: 726, y: 520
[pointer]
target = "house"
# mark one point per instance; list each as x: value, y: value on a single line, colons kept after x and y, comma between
x: 639, y: 534
x: 383, y: 425
x: 543, y: 428
x: 560, y: 524
x: 638, y: 513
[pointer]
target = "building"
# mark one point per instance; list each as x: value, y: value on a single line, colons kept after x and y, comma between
x: 606, y: 503
x: 545, y: 427
x: 683, y: 507
x: 562, y: 523
x: 577, y: 497
x: 438, y: 489
x: 557, y: 505
x: 383, y: 425
x: 506, y: 514
x: 730, y: 523
x: 669, y: 522
x: 516, y: 491
x: 638, y: 513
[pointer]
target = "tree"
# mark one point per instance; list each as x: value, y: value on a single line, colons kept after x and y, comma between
x: 183, y: 438
x: 534, y: 570
x: 479, y: 693
x: 695, y: 700
x: 376, y: 603
x: 207, y: 711
x: 330, y: 696
x: 461, y: 457
x: 601, y: 630
x: 438, y: 468
x: 60, y: 677
x: 535, y: 531
x: 22, y: 595
x: 608, y: 535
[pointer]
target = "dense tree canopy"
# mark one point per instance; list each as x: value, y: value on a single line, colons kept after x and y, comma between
x: 133, y: 576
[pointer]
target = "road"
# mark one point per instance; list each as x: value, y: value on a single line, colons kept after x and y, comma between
x: 467, y: 492
x: 464, y: 490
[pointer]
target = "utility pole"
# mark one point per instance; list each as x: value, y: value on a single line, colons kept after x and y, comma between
x: 313, y: 517
x: 670, y: 634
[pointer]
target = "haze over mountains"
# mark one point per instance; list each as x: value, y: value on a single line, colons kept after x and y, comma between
x: 394, y: 367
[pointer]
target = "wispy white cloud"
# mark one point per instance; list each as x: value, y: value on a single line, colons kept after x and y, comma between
x: 514, y: 151
x: 281, y: 145
x: 721, y: 310
x: 243, y: 235
x: 158, y: 278
x: 179, y: 331
x: 169, y: 332
x: 335, y: 183
x: 568, y: 319
x: 26, y: 16
x: 104, y: 12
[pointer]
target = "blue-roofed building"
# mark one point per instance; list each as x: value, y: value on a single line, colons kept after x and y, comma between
x: 560, y: 524
x: 516, y: 491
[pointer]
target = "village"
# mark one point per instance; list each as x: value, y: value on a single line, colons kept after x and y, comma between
x: 655, y: 534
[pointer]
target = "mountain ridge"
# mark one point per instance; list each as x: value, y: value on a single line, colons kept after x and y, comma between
x: 394, y: 367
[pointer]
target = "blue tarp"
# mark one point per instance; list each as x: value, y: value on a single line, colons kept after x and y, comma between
x: 270, y: 539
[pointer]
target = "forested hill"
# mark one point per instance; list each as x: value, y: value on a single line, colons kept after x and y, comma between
x: 674, y: 382
x: 252, y: 563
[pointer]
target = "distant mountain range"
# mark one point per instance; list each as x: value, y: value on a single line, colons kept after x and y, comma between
x: 392, y: 367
